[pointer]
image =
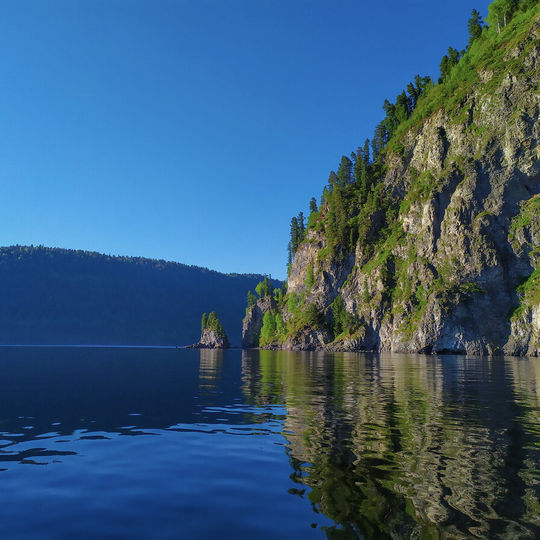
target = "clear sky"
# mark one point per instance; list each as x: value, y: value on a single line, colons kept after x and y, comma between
x: 193, y: 130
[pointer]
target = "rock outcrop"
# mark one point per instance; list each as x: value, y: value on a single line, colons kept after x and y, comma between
x: 212, y: 334
x: 457, y: 269
x: 210, y: 339
x: 253, y: 321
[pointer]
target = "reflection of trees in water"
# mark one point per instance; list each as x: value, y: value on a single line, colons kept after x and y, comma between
x: 525, y: 376
x: 210, y: 368
x: 409, y: 445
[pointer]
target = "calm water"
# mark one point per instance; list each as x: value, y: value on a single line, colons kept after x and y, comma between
x: 149, y: 443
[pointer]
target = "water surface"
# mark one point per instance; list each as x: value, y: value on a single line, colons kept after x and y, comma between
x: 164, y: 443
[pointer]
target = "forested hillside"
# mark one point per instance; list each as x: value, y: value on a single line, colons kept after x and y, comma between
x: 427, y: 237
x: 79, y: 297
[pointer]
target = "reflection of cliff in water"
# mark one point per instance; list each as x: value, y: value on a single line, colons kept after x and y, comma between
x: 210, y: 367
x: 403, y: 445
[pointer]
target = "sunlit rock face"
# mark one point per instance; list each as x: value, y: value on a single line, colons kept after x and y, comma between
x: 458, y: 273
x: 253, y: 321
x: 210, y: 339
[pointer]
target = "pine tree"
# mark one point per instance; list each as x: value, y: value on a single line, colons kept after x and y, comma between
x: 336, y: 218
x: 448, y: 62
x: 279, y: 296
x: 365, y: 153
x: 413, y: 94
x: 475, y: 26
x: 294, y: 237
x: 212, y: 320
x: 360, y: 174
x: 204, y: 321
x: 301, y: 228
x: 390, y: 120
x: 264, y: 288
x: 313, y: 205
x: 297, y: 232
x: 214, y: 324
x: 380, y: 138
x: 251, y: 299
x: 268, y: 286
x: 423, y: 84
x: 289, y: 255
x: 333, y: 180
x: 417, y: 89
x: 403, y: 108
x: 260, y: 289
x: 324, y: 195
x: 268, y: 329
x: 344, y: 172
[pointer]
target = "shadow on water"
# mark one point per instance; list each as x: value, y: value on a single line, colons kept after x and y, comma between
x: 381, y: 445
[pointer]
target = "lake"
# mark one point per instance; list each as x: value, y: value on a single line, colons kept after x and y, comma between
x: 165, y: 443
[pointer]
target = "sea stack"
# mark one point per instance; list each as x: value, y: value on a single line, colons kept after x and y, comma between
x: 213, y: 335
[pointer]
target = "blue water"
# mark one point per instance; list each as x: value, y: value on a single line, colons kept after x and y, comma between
x: 164, y: 443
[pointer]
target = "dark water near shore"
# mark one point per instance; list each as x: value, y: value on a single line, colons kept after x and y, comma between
x: 143, y: 443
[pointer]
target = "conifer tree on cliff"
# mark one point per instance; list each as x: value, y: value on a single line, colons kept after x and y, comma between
x: 344, y: 172
x: 448, y: 61
x: 204, y: 320
x: 251, y: 299
x: 475, y: 26
x: 360, y: 174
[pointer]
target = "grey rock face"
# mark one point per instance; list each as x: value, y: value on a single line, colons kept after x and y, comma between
x: 210, y: 339
x: 451, y: 283
x: 307, y: 340
x: 253, y: 321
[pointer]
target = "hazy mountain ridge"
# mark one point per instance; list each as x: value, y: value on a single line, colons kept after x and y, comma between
x: 52, y: 295
x: 443, y: 254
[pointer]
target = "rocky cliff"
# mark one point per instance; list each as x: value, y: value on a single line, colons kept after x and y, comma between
x: 253, y: 321
x: 213, y: 335
x: 210, y: 339
x: 447, y: 260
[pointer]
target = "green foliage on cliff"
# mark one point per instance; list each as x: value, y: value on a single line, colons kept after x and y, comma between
x: 212, y: 323
x: 310, y: 277
x: 268, y: 330
x: 523, y: 229
x: 343, y: 322
x: 502, y: 11
x: 475, y: 26
x: 530, y: 290
x: 486, y: 53
x: 251, y: 299
x: 303, y: 314
x: 297, y: 233
x: 264, y: 287
x: 528, y: 216
x: 360, y: 206
x: 204, y: 321
x: 356, y: 203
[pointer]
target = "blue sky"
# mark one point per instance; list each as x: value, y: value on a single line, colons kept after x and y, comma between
x: 193, y: 130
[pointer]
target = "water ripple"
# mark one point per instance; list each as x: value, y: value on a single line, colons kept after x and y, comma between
x: 191, y: 444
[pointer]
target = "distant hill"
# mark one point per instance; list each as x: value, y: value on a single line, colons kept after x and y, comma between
x: 51, y: 295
